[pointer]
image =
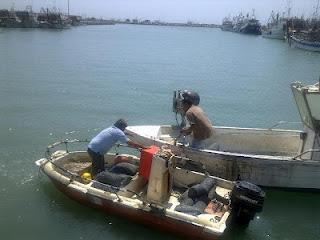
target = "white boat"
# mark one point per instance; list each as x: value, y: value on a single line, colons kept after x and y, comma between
x: 275, y: 27
x: 275, y: 32
x: 304, y: 44
x: 156, y: 194
x: 266, y: 157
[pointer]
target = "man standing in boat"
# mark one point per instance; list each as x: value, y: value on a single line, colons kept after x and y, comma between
x: 104, y: 141
x: 200, y: 125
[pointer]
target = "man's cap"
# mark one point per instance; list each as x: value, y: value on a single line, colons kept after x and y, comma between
x: 121, y: 124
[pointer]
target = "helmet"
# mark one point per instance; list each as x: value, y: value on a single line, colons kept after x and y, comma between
x: 191, y: 97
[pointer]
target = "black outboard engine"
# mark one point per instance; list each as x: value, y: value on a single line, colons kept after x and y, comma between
x: 246, y: 200
x: 178, y: 97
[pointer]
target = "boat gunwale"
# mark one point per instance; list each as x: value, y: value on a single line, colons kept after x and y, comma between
x: 227, y: 153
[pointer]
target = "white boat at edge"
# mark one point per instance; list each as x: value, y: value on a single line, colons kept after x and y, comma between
x: 266, y: 157
x: 304, y: 44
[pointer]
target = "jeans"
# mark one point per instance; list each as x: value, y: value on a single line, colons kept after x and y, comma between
x: 97, y: 162
x: 197, y: 144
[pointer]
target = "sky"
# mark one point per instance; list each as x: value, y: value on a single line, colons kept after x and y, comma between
x: 201, y: 11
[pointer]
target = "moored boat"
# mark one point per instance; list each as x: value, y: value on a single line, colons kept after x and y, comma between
x: 242, y: 24
x: 157, y: 193
x: 275, y: 28
x: 251, y: 26
x: 52, y: 19
x: 304, y: 44
x: 266, y: 157
x: 227, y: 24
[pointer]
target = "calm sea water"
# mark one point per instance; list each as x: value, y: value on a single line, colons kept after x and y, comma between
x: 72, y: 83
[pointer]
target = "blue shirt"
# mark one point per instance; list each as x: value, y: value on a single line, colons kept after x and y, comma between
x: 106, y: 139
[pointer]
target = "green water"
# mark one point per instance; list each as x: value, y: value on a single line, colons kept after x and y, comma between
x: 72, y: 83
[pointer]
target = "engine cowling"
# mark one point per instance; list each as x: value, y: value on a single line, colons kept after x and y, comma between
x: 246, y: 200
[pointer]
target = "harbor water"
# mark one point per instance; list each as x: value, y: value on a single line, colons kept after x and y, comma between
x: 66, y: 84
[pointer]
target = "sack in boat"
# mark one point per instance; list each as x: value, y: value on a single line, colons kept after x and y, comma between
x: 203, y: 198
x: 202, y: 188
x: 184, y: 195
x: 200, y: 205
x: 188, y: 209
x: 187, y: 201
x: 113, y: 179
x: 124, y: 168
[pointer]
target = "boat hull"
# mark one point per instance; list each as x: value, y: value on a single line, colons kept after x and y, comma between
x: 251, y: 29
x: 305, y: 45
x: 273, y: 35
x: 275, y: 32
x: 154, y: 220
x: 127, y: 208
x: 263, y: 170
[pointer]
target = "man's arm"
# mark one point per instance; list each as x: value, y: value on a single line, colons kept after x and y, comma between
x: 188, y: 130
x: 135, y: 144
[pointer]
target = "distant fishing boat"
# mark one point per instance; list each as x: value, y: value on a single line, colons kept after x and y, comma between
x: 267, y: 157
x: 242, y: 24
x: 227, y: 24
x: 9, y: 19
x: 251, y: 26
x: 52, y: 19
x: 275, y: 28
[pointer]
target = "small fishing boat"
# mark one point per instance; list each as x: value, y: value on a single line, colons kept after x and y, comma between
x: 267, y: 157
x: 304, y: 44
x: 152, y: 190
x: 275, y: 28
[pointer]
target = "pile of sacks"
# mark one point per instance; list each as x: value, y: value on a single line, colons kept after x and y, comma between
x: 195, y: 200
x: 118, y: 175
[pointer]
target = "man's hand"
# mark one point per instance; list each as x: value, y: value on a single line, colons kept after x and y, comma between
x: 186, y: 131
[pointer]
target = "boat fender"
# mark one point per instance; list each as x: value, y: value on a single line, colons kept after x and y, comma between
x: 124, y: 168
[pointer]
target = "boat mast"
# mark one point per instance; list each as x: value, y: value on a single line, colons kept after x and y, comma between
x: 289, y: 8
x: 316, y: 11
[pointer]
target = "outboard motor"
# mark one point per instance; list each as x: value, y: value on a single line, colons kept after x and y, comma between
x: 246, y: 200
x: 178, y: 96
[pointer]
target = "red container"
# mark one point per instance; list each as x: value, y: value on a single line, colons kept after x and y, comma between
x: 146, y: 160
